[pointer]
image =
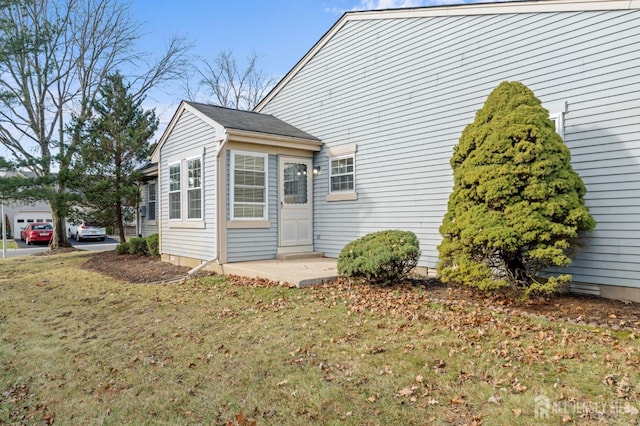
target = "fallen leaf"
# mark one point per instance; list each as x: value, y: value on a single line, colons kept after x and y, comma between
x: 517, y: 412
x: 630, y: 409
x: 419, y: 378
x: 371, y: 399
x: 493, y: 400
x: 408, y: 391
x: 566, y: 418
x: 282, y: 383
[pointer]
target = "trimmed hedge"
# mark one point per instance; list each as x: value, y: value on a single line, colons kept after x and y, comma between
x: 153, y: 244
x: 137, y: 245
x: 143, y: 246
x: 380, y: 257
x: 122, y: 248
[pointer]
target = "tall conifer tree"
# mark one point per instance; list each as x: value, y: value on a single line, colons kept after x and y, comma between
x: 115, y: 143
x: 517, y: 205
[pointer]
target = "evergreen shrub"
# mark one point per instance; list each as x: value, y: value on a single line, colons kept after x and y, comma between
x: 517, y: 206
x: 122, y: 248
x: 380, y: 257
x: 137, y: 245
x: 153, y: 244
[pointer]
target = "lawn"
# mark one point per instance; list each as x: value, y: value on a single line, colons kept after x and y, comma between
x: 11, y: 244
x: 81, y: 348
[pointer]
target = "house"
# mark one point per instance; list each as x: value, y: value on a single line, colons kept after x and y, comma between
x: 147, y: 216
x: 375, y: 109
x: 233, y: 186
x: 21, y: 214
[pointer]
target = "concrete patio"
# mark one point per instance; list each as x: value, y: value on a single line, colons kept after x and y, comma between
x: 296, y: 272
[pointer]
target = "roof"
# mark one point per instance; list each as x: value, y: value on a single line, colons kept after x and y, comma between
x: 250, y: 121
x: 244, y: 126
x: 510, y: 7
x: 148, y: 171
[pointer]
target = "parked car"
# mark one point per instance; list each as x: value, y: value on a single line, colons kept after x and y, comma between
x: 86, y: 231
x: 37, y: 232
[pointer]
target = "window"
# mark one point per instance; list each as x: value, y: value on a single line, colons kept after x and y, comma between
x: 558, y: 121
x: 151, y: 201
x: 248, y: 185
x: 342, y: 173
x: 174, y: 191
x: 295, y: 183
x: 194, y: 189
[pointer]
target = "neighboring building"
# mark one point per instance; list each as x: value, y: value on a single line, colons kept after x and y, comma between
x: 378, y: 105
x: 147, y: 219
x: 21, y: 214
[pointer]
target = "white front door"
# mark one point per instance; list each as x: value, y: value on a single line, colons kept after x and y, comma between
x: 296, y: 205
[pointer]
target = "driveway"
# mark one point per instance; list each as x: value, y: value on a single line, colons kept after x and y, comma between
x: 24, y: 250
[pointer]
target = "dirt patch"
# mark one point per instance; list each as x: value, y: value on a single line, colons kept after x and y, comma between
x: 135, y: 268
x: 579, y: 309
x: 569, y: 307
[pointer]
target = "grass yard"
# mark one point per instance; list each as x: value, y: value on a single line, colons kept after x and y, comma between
x: 11, y: 244
x: 82, y: 348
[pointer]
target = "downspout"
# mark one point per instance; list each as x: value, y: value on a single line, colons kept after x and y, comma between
x: 221, y: 145
x: 220, y: 195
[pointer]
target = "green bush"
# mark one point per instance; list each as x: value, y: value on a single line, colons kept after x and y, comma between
x: 517, y: 206
x: 380, y: 257
x: 153, y: 245
x: 122, y: 248
x: 137, y: 245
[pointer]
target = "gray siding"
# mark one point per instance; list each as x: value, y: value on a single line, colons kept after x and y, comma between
x: 255, y: 244
x: 190, y: 133
x: 148, y: 227
x: 404, y: 89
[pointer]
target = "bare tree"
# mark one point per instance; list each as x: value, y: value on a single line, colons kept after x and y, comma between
x: 230, y: 84
x: 53, y: 56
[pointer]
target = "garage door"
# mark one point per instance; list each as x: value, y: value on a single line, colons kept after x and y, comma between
x: 21, y: 220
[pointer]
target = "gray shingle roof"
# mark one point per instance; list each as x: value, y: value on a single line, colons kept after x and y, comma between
x: 250, y: 121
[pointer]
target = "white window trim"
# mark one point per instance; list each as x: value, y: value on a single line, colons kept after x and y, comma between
x: 179, y: 191
x: 558, y: 119
x: 265, y: 216
x: 187, y: 189
x: 155, y: 202
x: 338, y: 153
x: 184, y: 221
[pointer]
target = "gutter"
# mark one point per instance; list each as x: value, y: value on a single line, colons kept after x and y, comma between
x: 221, y: 209
x: 221, y: 144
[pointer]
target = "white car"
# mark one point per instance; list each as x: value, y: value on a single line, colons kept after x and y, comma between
x: 86, y: 231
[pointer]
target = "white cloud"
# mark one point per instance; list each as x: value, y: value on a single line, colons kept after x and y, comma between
x: 396, y: 4
x: 389, y: 4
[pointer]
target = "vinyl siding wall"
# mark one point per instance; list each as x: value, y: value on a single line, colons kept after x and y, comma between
x: 148, y: 227
x: 255, y: 244
x: 189, y: 135
x: 404, y: 89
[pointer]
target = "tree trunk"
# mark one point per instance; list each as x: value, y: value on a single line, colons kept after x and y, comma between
x: 59, y: 238
x: 516, y: 268
x: 120, y: 222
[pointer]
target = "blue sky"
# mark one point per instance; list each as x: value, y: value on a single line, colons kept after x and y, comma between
x: 279, y: 31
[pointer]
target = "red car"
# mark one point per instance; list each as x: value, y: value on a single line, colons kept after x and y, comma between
x: 38, y: 232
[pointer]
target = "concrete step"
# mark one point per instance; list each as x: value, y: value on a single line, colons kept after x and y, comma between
x: 298, y: 256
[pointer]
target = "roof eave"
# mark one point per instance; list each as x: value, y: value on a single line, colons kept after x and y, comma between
x: 174, y: 120
x: 260, y: 138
